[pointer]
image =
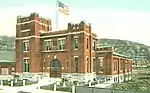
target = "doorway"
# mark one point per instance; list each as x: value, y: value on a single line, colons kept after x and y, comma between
x: 55, y: 68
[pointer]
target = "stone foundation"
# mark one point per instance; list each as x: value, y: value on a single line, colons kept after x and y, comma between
x: 30, y: 76
x: 115, y: 78
x: 6, y: 77
x: 79, y: 76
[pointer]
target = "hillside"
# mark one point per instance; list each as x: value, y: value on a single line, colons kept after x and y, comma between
x: 129, y: 48
x: 133, y: 49
x: 7, y: 43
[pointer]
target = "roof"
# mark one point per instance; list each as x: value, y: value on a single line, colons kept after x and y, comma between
x: 99, y: 48
x: 104, y: 47
x: 7, y: 56
x: 114, y: 53
x: 117, y: 54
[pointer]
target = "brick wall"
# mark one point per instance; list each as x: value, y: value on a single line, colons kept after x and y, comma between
x: 37, y: 54
x: 110, y: 59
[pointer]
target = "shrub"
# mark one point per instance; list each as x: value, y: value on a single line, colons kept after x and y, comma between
x: 18, y: 83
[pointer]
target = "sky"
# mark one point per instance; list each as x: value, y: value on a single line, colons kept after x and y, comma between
x: 114, y: 19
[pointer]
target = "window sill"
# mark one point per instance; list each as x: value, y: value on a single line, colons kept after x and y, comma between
x: 25, y: 51
x: 26, y: 30
x: 93, y: 50
x: 48, y: 67
x: 100, y: 72
x: 54, y: 51
x: 121, y: 70
x: 76, y: 49
x: 115, y: 71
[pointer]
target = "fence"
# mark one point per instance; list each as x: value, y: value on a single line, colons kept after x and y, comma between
x: 81, y: 89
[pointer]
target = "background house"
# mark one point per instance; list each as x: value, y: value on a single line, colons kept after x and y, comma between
x: 7, y: 62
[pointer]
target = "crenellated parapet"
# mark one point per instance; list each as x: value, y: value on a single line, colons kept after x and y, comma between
x: 31, y: 17
x: 105, y: 48
x: 82, y: 26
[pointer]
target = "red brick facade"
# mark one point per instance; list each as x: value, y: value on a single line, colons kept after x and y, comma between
x: 109, y: 60
x: 113, y: 64
x: 37, y: 31
x: 75, y: 49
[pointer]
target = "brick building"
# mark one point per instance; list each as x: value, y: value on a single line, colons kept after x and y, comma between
x: 40, y: 50
x: 7, y: 63
x: 71, y: 52
x: 112, y: 66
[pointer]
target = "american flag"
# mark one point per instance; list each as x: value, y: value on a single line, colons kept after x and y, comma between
x: 63, y: 8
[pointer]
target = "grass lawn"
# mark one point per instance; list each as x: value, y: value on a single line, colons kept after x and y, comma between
x: 18, y: 83
x: 141, y: 68
x: 140, y: 82
x: 60, y: 87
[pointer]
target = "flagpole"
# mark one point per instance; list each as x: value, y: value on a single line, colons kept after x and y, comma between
x: 56, y: 14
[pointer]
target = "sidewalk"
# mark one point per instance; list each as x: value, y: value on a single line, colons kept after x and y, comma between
x: 30, y: 88
x: 102, y: 85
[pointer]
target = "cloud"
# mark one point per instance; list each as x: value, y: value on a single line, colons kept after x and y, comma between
x: 107, y: 23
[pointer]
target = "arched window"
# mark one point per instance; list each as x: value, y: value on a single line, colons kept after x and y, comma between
x: 55, y: 63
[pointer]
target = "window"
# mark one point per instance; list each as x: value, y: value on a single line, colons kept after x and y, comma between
x: 100, y: 60
x: 4, y: 71
x: 12, y: 69
x: 25, y: 26
x: 87, y: 61
x: 93, y: 45
x: 116, y: 79
x: 43, y: 28
x: 44, y: 64
x: 121, y: 66
x: 49, y: 28
x: 126, y: 66
x: 26, y: 46
x: 25, y: 65
x: 61, y: 44
x: 121, y: 77
x: 129, y: 67
x: 115, y: 66
x: 87, y: 43
x: 75, y: 43
x: 93, y: 65
x: 47, y: 45
x: 66, y: 64
x: 76, y: 64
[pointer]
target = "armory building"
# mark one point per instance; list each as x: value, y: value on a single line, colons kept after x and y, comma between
x: 72, y: 52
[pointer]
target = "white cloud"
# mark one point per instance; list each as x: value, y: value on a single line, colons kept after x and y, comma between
x: 129, y: 25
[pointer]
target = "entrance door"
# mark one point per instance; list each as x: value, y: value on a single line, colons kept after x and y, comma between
x: 55, y: 68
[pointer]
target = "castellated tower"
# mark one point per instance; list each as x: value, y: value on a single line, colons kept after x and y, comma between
x: 28, y: 49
